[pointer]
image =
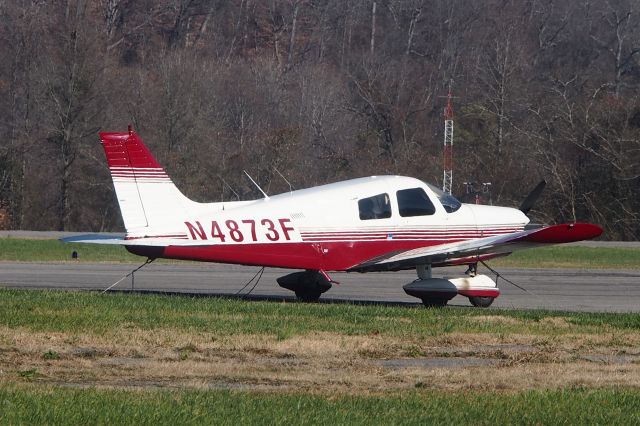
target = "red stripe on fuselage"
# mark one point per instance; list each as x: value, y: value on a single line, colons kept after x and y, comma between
x: 330, y: 256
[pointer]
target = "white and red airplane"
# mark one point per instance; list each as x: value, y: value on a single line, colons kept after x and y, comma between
x: 376, y: 223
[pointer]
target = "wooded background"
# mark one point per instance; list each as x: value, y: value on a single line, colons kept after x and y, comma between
x: 321, y: 90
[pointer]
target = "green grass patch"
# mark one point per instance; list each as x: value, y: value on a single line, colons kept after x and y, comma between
x: 32, y: 400
x: 33, y: 250
x: 51, y: 405
x: 94, y: 313
x: 573, y: 257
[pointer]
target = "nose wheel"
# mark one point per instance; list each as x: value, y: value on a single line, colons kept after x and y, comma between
x: 481, y: 301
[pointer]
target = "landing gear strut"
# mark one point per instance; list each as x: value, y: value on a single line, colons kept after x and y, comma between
x: 472, y: 270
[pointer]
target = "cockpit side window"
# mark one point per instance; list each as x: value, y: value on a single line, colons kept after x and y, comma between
x: 448, y: 201
x: 414, y: 202
x: 376, y: 207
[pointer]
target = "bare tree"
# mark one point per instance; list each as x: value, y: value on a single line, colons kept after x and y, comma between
x: 619, y: 37
x: 70, y: 97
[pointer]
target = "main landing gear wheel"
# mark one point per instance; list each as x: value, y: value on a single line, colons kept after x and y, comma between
x: 308, y: 295
x: 481, y: 301
x: 434, y: 302
x: 307, y: 285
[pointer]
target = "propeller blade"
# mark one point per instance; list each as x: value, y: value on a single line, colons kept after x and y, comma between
x: 531, y: 199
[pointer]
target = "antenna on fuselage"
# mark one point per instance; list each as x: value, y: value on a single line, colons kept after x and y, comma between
x: 224, y: 182
x: 257, y: 186
x: 285, y: 179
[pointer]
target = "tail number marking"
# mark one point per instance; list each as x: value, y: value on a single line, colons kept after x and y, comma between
x: 272, y: 235
x: 272, y: 231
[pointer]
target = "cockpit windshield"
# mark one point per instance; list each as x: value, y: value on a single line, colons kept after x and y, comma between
x: 448, y: 201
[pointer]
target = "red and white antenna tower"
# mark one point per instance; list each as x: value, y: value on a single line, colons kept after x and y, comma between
x: 448, y: 145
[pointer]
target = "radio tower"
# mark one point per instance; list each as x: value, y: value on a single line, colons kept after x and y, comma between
x: 448, y: 145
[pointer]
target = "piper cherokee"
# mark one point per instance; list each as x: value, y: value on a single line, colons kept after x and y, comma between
x: 376, y: 223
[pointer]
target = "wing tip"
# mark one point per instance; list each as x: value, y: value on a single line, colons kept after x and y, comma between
x: 565, y: 233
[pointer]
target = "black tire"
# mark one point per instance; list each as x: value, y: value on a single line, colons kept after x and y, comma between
x: 434, y: 302
x: 308, y: 296
x: 481, y: 302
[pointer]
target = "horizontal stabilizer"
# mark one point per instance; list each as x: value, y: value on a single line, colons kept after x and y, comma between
x: 93, y: 239
x: 147, y: 242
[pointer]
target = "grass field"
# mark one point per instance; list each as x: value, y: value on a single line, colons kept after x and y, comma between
x: 79, y: 357
x: 29, y: 250
x: 573, y: 257
x: 88, y: 358
x: 99, y: 314
x: 36, y: 250
x: 71, y: 406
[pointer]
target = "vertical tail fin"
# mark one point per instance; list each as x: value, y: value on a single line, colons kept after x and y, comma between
x: 148, y: 198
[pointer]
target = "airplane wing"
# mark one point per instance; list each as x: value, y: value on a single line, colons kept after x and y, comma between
x: 481, y: 248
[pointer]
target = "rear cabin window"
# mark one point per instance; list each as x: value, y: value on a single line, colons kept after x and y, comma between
x: 414, y: 202
x: 376, y: 207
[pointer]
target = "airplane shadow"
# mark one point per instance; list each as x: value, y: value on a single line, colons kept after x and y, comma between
x: 278, y: 299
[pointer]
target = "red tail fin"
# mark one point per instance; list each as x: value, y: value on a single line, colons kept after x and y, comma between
x: 127, y: 150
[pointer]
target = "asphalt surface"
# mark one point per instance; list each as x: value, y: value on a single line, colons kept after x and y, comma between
x: 554, y: 289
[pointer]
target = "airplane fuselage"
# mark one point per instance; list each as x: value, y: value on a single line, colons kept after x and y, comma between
x: 331, y: 227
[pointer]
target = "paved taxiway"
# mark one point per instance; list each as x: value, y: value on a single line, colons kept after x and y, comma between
x: 563, y: 289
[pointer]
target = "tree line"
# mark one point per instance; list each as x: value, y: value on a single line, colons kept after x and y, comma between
x: 318, y: 91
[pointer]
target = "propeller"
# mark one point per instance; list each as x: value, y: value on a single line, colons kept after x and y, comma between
x: 531, y: 199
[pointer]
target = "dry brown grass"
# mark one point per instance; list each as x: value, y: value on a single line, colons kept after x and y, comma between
x: 322, y: 362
